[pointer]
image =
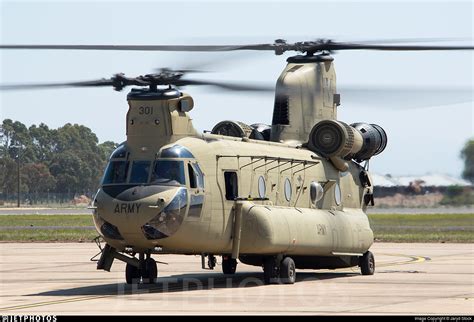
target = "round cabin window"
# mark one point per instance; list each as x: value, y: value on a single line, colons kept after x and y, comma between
x: 316, y: 192
x: 261, y: 187
x: 337, y: 194
x: 288, y: 189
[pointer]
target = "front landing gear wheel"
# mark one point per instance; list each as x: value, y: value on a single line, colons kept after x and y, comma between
x: 132, y: 274
x: 229, y: 265
x: 287, y: 271
x: 367, y: 264
x: 151, y: 271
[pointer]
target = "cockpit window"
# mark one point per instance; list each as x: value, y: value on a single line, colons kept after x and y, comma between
x: 116, y: 172
x: 168, y: 172
x: 140, y: 171
x: 176, y: 151
x: 120, y: 152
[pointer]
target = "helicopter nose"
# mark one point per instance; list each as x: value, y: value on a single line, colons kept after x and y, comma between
x: 168, y: 219
x: 136, y: 214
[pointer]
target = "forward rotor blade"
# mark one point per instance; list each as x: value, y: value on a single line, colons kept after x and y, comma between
x: 120, y: 81
x: 231, y: 86
x: 95, y: 83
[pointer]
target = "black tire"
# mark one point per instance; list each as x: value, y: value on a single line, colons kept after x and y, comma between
x: 287, y: 271
x: 270, y: 271
x: 229, y: 265
x: 132, y: 274
x: 367, y: 264
x: 151, y: 271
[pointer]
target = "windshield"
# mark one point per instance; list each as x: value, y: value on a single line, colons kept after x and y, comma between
x: 116, y: 172
x: 120, y: 152
x: 140, y: 171
x: 168, y: 172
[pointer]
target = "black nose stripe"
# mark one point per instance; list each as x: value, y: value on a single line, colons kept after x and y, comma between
x: 133, y: 192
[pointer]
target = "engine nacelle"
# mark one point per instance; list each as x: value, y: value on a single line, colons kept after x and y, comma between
x: 359, y: 141
x: 374, y: 138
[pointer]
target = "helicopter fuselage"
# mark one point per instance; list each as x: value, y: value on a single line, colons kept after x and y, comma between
x: 193, y: 210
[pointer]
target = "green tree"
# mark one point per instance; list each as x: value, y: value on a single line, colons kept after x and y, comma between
x: 78, y: 143
x: 42, y: 138
x: 67, y: 169
x: 38, y: 178
x: 16, y: 134
x: 467, y: 154
x: 107, y: 148
x: 8, y: 173
x: 67, y: 159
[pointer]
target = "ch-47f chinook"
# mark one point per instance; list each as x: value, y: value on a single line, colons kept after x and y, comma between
x: 288, y: 195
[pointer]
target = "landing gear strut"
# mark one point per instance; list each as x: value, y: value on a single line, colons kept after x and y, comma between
x: 229, y: 265
x: 147, y: 270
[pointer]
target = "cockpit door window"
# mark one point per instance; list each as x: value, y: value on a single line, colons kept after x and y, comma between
x: 192, y: 177
x: 199, y: 175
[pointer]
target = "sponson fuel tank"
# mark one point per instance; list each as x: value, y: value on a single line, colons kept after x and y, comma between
x: 304, y: 231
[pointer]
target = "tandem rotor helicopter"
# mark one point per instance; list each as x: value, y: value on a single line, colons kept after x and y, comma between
x: 288, y: 195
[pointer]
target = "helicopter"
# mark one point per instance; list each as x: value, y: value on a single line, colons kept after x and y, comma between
x: 286, y: 196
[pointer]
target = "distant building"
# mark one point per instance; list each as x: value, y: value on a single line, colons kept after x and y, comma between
x: 429, y: 180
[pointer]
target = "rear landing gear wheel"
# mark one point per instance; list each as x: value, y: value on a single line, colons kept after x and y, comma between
x: 367, y: 264
x: 229, y: 265
x: 287, y: 271
x: 132, y: 274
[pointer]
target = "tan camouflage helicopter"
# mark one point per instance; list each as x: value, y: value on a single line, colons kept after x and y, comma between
x: 288, y: 195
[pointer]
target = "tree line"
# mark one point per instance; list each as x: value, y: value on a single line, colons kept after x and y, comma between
x: 64, y: 160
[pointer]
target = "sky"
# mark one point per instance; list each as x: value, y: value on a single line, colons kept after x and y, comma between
x: 421, y: 140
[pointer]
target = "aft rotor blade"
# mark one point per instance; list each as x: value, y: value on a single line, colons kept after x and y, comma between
x: 197, y: 48
x: 279, y: 47
x: 404, y: 97
x: 356, y: 46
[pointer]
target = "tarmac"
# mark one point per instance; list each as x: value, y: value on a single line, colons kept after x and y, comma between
x: 410, y: 279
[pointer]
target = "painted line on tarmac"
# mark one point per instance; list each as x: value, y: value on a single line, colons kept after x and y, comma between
x: 412, y: 259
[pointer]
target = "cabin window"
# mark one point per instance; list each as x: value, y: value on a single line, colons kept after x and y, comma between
x: 231, y: 185
x: 288, y: 189
x: 337, y: 194
x: 116, y: 172
x: 261, y: 187
x: 140, y: 171
x: 168, y: 173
